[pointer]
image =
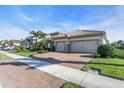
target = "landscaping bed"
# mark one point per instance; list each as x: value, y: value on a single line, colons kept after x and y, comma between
x: 71, y: 85
x: 112, y: 67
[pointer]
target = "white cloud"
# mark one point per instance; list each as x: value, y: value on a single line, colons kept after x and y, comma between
x: 10, y: 32
x: 26, y: 17
x: 114, y: 26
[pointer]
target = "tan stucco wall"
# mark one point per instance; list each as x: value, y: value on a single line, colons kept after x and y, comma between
x: 100, y: 38
x: 68, y: 41
x: 59, y: 40
x: 17, y: 44
x: 87, y: 38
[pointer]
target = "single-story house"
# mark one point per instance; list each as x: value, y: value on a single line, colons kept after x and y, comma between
x: 25, y: 43
x: 78, y: 41
x: 16, y: 42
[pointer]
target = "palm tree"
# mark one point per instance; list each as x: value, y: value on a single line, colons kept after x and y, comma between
x: 41, y: 34
x: 37, y: 34
x: 28, y: 39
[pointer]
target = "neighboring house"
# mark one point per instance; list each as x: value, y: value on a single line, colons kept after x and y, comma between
x: 16, y: 42
x: 78, y: 41
x: 26, y: 43
x: 10, y: 44
x: 4, y: 43
x: 29, y: 41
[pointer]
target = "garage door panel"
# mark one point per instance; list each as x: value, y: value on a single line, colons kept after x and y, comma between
x: 91, y: 45
x: 83, y: 46
x: 60, y: 46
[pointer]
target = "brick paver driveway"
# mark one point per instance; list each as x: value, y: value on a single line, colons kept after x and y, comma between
x: 73, y: 60
x: 17, y: 74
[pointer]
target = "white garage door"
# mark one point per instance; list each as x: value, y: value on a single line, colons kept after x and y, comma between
x: 60, y: 46
x: 84, y: 46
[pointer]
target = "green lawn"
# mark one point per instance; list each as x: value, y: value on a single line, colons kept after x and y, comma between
x: 71, y: 85
x: 119, y: 53
x: 112, y: 67
x: 4, y: 57
x: 28, y: 53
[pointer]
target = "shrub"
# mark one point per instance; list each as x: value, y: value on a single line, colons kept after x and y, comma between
x: 105, y: 50
x: 21, y: 49
x: 97, y: 55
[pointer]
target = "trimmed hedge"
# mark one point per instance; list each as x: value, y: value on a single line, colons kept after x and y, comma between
x: 105, y: 50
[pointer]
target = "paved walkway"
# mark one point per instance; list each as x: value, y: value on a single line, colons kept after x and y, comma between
x: 15, y: 74
x: 80, y: 77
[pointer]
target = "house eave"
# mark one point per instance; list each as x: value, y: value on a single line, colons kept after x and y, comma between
x: 78, y: 36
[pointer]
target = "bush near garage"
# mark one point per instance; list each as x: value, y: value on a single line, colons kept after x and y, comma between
x: 106, y: 50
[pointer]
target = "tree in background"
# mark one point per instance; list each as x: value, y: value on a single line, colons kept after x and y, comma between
x: 37, y: 35
x: 29, y: 40
x: 119, y: 44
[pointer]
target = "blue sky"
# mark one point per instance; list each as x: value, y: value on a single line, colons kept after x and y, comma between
x: 17, y: 21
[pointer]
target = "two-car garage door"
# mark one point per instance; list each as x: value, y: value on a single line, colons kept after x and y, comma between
x: 78, y: 46
x: 60, y: 46
x: 84, y: 46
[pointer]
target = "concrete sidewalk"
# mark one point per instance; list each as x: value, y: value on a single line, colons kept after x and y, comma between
x: 85, y: 79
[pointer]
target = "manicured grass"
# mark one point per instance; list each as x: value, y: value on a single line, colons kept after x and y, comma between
x: 119, y: 53
x: 112, y: 67
x: 4, y: 57
x: 28, y: 53
x: 71, y: 85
